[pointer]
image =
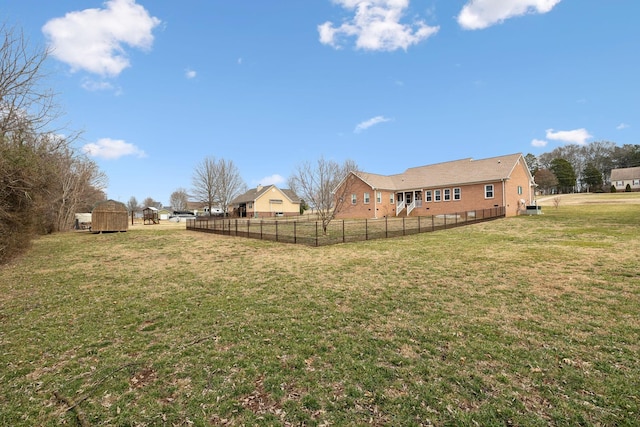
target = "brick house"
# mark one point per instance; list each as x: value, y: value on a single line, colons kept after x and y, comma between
x: 449, y: 187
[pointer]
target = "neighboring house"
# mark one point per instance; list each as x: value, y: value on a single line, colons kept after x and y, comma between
x: 164, y: 214
x: 196, y: 208
x: 623, y: 176
x: 267, y: 201
x: 450, y: 187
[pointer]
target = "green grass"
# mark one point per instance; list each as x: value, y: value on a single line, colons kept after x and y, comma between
x: 523, y: 321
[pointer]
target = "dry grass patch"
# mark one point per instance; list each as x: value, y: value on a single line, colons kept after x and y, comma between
x: 523, y: 321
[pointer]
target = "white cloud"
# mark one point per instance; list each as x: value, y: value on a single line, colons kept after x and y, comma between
x: 479, y: 14
x: 622, y: 126
x: 93, y: 39
x: 100, y: 85
x: 576, y: 136
x: 274, y: 179
x: 539, y: 143
x: 111, y: 149
x: 190, y: 74
x: 376, y: 26
x: 371, y: 122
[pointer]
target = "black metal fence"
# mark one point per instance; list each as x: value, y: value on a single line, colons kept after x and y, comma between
x: 310, y: 232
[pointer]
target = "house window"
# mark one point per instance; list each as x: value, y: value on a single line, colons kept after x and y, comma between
x: 250, y: 205
x: 488, y: 191
x: 636, y: 182
x: 379, y: 196
x: 619, y: 183
x: 447, y: 194
x: 391, y: 198
x: 354, y: 199
x: 519, y: 189
x: 428, y: 196
x: 437, y: 195
x: 457, y: 194
x: 366, y: 198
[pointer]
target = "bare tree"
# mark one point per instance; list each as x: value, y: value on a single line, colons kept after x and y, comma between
x: 43, y: 181
x: 133, y: 205
x: 24, y: 102
x: 76, y: 178
x: 546, y: 180
x: 217, y: 182
x: 229, y: 183
x: 149, y: 202
x: 178, y: 200
x: 319, y: 185
x: 204, y: 181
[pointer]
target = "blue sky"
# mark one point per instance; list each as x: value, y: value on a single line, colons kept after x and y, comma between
x: 157, y: 86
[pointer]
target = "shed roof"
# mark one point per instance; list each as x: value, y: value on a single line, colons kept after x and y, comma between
x: 110, y: 206
x: 625, y: 174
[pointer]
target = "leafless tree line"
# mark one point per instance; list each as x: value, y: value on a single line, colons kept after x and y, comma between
x: 216, y: 182
x: 44, y: 181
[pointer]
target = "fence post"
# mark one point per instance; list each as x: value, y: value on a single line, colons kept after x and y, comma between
x: 403, y: 227
x: 316, y: 233
x: 366, y: 229
x: 418, y: 223
x: 261, y: 221
x: 294, y: 232
x: 386, y: 227
x: 276, y: 230
x: 433, y: 223
x: 445, y: 221
x: 343, y: 237
x: 236, y: 227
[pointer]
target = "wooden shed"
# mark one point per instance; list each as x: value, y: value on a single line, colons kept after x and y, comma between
x: 109, y: 216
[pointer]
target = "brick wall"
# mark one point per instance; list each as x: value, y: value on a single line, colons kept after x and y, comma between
x: 507, y: 193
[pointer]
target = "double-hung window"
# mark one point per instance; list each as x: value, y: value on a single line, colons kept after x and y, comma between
x: 379, y: 197
x: 354, y: 199
x: 428, y: 196
x: 488, y: 191
x: 457, y: 194
x: 437, y: 194
x: 366, y: 198
x: 447, y: 194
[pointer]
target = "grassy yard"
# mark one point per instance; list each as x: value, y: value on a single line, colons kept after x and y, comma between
x: 532, y: 320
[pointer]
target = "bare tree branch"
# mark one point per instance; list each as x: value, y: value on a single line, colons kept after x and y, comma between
x: 316, y: 185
